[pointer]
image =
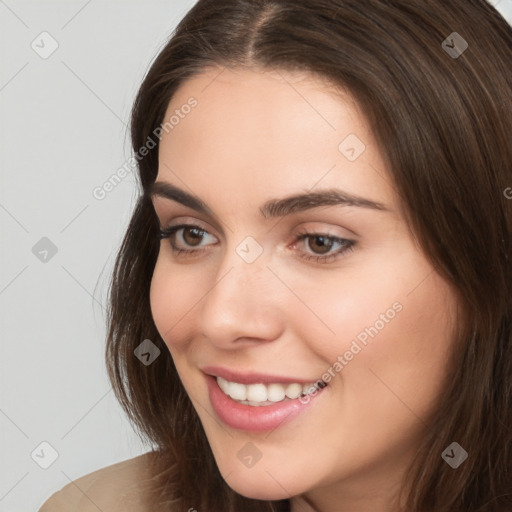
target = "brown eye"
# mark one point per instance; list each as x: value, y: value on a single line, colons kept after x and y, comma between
x: 322, y: 248
x: 187, y: 239
x: 320, y: 244
x: 193, y: 236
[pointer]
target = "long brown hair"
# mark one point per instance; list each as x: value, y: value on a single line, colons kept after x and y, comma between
x: 443, y: 122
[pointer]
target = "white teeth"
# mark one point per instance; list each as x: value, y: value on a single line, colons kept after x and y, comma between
x: 223, y: 384
x: 256, y: 392
x: 262, y: 394
x: 275, y: 392
x: 294, y: 390
x: 237, y: 391
x: 233, y: 389
x: 308, y: 388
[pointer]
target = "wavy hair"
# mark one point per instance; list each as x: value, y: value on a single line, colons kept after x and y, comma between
x: 444, y: 127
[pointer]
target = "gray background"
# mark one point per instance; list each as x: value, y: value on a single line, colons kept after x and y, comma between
x: 63, y: 123
x: 64, y: 132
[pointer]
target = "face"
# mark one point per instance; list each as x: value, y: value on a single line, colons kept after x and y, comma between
x: 287, y: 261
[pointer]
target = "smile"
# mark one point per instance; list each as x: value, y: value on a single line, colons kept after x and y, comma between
x: 257, y: 406
x: 257, y: 395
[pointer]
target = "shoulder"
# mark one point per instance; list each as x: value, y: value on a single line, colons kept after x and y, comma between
x: 111, y: 488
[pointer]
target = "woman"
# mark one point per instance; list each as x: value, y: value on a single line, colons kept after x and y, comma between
x: 310, y: 310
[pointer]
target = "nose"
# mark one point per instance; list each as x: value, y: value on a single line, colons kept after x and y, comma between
x: 244, y: 305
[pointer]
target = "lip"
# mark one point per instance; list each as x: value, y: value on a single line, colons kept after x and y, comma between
x: 256, y: 418
x: 252, y: 378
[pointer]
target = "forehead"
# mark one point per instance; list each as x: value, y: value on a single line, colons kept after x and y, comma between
x: 284, y: 99
x: 259, y: 133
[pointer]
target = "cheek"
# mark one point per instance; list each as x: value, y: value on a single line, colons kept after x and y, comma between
x: 342, y: 308
x: 403, y: 363
x: 173, y: 294
x: 385, y: 334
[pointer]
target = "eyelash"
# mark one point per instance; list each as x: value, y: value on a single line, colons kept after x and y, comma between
x: 346, y: 245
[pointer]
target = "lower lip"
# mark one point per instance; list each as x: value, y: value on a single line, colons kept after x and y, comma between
x: 255, y: 418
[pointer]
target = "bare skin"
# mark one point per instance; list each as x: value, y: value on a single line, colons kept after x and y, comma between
x: 256, y: 136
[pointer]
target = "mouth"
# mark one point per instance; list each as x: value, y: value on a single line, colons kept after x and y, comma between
x: 261, y: 402
x: 260, y: 394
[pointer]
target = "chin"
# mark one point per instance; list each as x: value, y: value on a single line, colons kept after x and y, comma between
x: 268, y: 482
x: 256, y: 488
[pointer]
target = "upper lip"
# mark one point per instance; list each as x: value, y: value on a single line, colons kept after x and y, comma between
x: 252, y: 377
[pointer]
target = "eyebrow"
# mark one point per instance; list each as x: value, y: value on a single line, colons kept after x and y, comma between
x: 273, y: 207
